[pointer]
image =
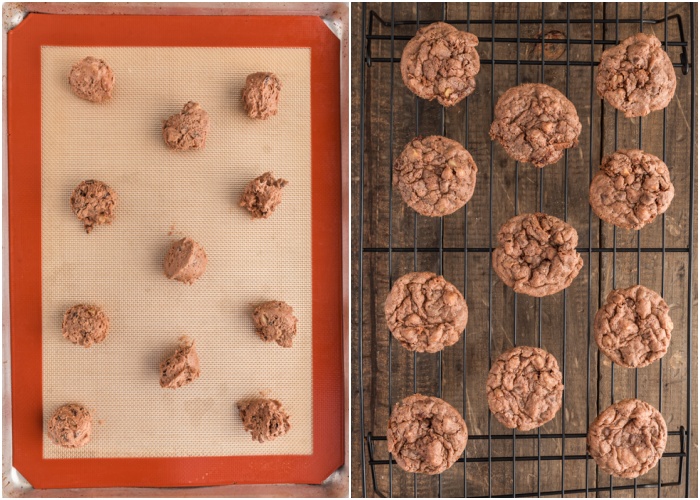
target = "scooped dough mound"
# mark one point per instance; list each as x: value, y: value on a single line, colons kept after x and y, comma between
x: 262, y: 195
x: 264, y: 418
x: 85, y: 325
x: 182, y: 367
x: 188, y: 129
x: 70, y: 426
x: 93, y: 202
x: 91, y: 79
x: 275, y: 320
x: 185, y: 261
x: 261, y: 95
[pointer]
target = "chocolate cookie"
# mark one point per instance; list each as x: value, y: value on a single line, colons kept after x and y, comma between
x: 182, y: 367
x: 524, y: 388
x: 441, y: 62
x: 627, y: 439
x: 93, y: 203
x: 264, y: 418
x: 70, y: 426
x: 633, y: 328
x: 435, y: 175
x: 261, y: 95
x: 85, y: 325
x: 631, y: 189
x: 91, y: 79
x: 185, y: 261
x: 535, y: 123
x: 425, y: 312
x: 536, y: 254
x: 637, y: 76
x: 187, y: 129
x: 425, y: 434
x: 262, y: 195
x: 275, y: 321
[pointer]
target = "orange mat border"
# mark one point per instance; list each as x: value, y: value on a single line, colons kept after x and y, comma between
x: 24, y: 188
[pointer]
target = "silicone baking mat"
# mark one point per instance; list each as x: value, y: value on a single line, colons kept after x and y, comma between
x: 144, y: 435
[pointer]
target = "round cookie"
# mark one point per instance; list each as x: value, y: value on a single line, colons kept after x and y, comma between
x: 535, y: 123
x: 275, y: 321
x: 182, y: 367
x: 631, y: 189
x: 261, y: 95
x: 441, y: 62
x: 536, y: 254
x: 636, y: 76
x: 264, y: 418
x: 425, y: 434
x: 524, y: 388
x: 85, y: 325
x: 91, y: 79
x: 187, y: 129
x: 70, y: 426
x: 262, y: 195
x: 185, y: 261
x: 425, y: 312
x: 93, y: 203
x: 633, y: 327
x: 435, y: 175
x: 627, y: 439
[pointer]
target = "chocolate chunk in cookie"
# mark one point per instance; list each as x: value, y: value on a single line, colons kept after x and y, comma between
x: 275, y: 321
x: 627, y: 439
x: 536, y: 254
x: 91, y: 79
x: 637, y: 76
x: 441, y: 62
x: 524, y: 388
x: 264, y: 418
x: 261, y: 95
x: 425, y: 434
x: 425, y: 312
x: 631, y: 189
x: 435, y: 175
x: 633, y: 327
x: 93, y: 203
x: 85, y: 325
x: 262, y: 195
x: 70, y: 426
x: 182, y: 367
x: 187, y: 129
x: 535, y: 123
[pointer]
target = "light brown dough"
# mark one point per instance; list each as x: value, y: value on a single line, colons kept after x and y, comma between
x: 93, y: 203
x: 264, y: 418
x: 91, y: 79
x: 85, y: 325
x: 275, y: 320
x: 187, y: 129
x: 182, y: 367
x: 70, y: 426
x: 262, y: 195
x: 261, y: 95
x: 185, y: 261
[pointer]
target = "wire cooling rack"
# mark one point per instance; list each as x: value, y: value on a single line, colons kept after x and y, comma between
x: 383, y: 40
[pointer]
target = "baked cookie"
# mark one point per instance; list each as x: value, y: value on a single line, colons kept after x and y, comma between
x: 185, y: 261
x: 262, y: 195
x: 275, y: 321
x: 441, y: 62
x: 93, y: 203
x: 91, y: 79
x: 637, y: 76
x: 70, y: 426
x: 633, y: 327
x: 264, y: 418
x: 425, y: 312
x: 182, y: 367
x: 631, y: 189
x: 261, y: 95
x: 535, y: 123
x: 524, y: 388
x: 627, y: 439
x: 435, y: 175
x: 536, y: 254
x: 425, y: 434
x: 85, y: 325
x: 187, y: 129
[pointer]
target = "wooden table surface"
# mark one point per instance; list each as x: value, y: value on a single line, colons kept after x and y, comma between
x: 497, y: 318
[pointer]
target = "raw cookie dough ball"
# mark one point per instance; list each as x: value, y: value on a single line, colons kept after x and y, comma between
x: 93, y: 202
x: 70, y: 426
x: 637, y: 76
x: 91, y: 79
x: 185, y: 261
x: 275, y: 320
x: 182, y: 367
x: 188, y: 129
x: 262, y: 195
x: 264, y: 418
x: 631, y: 189
x: 261, y: 95
x: 85, y: 325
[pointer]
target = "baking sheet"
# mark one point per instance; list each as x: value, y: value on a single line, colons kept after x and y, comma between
x: 164, y: 195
